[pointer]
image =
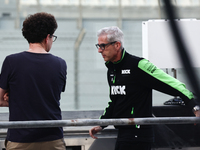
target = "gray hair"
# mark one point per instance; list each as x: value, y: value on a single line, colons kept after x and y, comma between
x: 113, y: 33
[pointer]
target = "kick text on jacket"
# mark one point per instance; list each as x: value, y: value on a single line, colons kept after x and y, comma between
x: 118, y: 90
x: 127, y: 71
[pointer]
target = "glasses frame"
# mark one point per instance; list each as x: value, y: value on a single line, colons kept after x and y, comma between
x: 54, y: 37
x: 103, y: 46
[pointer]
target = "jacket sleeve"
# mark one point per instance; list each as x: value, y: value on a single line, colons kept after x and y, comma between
x: 157, y: 79
x: 108, y: 112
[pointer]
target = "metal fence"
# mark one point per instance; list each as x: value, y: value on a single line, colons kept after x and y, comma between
x: 101, y: 122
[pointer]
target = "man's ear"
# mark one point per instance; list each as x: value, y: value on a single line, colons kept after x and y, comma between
x: 118, y: 45
x: 47, y: 38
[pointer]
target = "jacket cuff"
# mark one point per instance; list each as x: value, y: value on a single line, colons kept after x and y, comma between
x: 192, y: 103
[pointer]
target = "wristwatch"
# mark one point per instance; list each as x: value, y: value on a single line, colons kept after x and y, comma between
x: 196, y: 108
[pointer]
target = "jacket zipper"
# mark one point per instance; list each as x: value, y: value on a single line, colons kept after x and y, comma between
x: 114, y: 76
x: 132, y: 111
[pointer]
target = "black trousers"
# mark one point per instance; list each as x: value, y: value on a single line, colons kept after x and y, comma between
x: 130, y: 145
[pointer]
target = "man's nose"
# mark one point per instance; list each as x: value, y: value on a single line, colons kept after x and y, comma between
x: 100, y: 50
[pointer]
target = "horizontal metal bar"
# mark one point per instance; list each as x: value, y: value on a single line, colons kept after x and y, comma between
x: 101, y: 122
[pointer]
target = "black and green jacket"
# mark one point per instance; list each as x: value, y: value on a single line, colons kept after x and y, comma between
x: 131, y: 82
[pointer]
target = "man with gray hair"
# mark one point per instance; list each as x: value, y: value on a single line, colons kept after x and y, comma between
x: 131, y: 80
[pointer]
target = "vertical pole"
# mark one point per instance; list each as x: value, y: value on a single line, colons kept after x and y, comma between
x: 17, y: 19
x: 76, y: 67
x: 175, y: 73
x: 175, y: 76
x: 159, y: 9
x: 120, y: 14
x: 76, y: 92
x: 79, y: 23
x: 38, y: 6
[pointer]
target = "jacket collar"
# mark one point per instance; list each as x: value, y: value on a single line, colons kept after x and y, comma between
x: 109, y: 63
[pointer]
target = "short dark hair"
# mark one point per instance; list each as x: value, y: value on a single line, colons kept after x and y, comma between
x: 36, y: 27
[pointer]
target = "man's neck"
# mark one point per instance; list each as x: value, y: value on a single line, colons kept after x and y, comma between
x: 119, y: 56
x: 36, y: 48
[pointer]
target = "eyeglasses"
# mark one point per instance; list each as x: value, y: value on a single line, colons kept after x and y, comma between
x: 102, y: 46
x: 54, y: 37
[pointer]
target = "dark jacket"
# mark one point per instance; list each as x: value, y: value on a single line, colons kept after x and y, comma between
x: 131, y: 82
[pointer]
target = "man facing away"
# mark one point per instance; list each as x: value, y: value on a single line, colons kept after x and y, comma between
x: 34, y: 80
x: 131, y: 80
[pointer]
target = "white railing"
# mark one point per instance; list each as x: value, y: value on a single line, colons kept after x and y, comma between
x: 101, y: 122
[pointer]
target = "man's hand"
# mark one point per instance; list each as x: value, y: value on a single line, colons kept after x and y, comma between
x: 94, y: 130
x: 4, y: 98
x: 197, y: 113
